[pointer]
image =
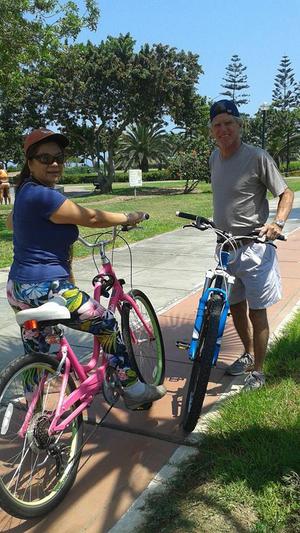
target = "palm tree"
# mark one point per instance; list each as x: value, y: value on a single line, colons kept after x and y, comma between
x: 141, y: 144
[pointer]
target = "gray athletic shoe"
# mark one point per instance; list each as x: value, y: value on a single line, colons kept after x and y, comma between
x: 150, y: 394
x: 241, y: 365
x: 255, y: 380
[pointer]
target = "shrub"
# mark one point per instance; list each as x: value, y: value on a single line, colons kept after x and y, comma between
x: 82, y: 176
x: 151, y: 175
x: 78, y: 178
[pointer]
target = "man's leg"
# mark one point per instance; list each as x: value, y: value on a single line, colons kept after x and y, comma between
x: 242, y: 324
x: 260, y: 325
x: 243, y: 327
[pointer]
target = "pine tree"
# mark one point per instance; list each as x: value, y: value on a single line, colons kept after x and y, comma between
x: 236, y: 81
x: 286, y: 97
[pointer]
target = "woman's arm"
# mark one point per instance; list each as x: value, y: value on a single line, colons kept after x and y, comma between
x: 71, y: 213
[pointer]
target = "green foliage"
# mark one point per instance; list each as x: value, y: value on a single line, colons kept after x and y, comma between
x: 31, y: 33
x: 89, y: 176
x: 151, y: 175
x: 294, y: 165
x: 236, y: 81
x: 95, y: 92
x: 31, y: 29
x: 191, y: 165
x: 286, y: 99
x: 78, y: 177
x: 286, y: 92
x: 142, y: 143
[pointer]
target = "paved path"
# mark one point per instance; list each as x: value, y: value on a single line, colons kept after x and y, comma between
x: 124, y: 456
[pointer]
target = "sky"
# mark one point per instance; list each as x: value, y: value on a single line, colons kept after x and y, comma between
x: 260, y: 32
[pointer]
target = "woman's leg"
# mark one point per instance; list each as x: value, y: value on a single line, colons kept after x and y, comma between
x: 86, y: 315
x: 89, y: 316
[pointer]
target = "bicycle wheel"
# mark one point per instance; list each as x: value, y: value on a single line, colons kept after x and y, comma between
x: 146, y: 351
x: 202, y: 364
x: 36, y: 470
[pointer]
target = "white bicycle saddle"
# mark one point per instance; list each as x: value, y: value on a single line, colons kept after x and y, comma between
x: 55, y: 309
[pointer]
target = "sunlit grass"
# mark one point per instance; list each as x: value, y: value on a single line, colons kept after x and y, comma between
x: 245, y: 477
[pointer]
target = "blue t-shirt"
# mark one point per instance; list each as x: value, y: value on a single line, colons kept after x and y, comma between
x: 41, y: 248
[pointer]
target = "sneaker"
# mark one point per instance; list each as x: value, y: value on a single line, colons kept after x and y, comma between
x: 150, y: 393
x: 255, y: 380
x: 241, y: 365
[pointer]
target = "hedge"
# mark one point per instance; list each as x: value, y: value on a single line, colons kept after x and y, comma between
x: 120, y: 177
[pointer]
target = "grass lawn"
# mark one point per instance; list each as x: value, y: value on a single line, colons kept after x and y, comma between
x: 160, y: 199
x: 161, y: 202
x: 246, y: 474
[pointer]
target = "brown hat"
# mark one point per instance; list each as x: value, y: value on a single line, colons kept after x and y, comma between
x: 35, y: 136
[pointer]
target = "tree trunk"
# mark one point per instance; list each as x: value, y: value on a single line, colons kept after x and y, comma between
x: 109, y: 178
x: 144, y: 164
x: 287, y: 153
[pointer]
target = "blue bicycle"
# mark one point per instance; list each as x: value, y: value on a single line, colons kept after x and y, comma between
x: 212, y: 312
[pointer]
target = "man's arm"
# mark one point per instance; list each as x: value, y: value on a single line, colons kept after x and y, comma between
x: 284, y: 206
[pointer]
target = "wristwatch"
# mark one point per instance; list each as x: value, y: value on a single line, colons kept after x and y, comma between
x: 279, y: 223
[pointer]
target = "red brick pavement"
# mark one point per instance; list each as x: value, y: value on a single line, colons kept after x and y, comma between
x: 122, y: 458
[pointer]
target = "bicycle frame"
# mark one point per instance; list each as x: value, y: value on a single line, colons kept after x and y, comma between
x: 89, y: 384
x: 217, y: 277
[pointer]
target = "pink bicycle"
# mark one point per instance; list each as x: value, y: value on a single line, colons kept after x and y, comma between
x: 42, y: 397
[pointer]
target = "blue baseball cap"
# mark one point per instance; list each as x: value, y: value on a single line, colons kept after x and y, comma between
x: 224, y: 106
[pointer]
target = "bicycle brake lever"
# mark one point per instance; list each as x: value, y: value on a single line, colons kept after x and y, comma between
x: 128, y: 228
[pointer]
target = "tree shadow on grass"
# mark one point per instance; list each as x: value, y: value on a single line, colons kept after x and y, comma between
x: 244, y: 462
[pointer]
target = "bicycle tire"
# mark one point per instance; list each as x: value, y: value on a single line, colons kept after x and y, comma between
x: 147, y: 355
x: 36, y: 471
x: 202, y: 365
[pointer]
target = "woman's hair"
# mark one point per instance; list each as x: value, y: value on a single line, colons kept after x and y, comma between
x: 31, y: 152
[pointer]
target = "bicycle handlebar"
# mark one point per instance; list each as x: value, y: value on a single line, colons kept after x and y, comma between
x: 197, y: 218
x: 203, y: 223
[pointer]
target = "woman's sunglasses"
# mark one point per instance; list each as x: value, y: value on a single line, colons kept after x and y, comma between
x: 48, y: 159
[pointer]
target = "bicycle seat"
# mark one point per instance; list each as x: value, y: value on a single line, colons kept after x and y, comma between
x: 52, y: 310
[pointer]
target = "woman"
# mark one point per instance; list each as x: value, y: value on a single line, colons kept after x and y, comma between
x: 45, y: 227
x: 4, y: 186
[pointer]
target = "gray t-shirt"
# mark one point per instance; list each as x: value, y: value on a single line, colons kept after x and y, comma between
x: 240, y: 184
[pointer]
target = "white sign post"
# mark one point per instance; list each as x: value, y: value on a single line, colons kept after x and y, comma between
x: 135, y: 178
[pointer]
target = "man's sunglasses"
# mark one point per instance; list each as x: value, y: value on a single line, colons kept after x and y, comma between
x: 48, y: 159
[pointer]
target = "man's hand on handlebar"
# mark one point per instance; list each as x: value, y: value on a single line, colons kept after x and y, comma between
x: 270, y: 231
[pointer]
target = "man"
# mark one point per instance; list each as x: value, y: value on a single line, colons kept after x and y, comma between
x: 241, y: 175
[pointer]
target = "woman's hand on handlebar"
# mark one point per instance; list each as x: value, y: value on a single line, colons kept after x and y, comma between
x: 135, y: 217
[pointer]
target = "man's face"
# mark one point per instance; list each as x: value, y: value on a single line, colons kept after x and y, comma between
x: 226, y: 131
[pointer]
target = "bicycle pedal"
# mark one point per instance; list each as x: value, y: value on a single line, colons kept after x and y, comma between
x: 143, y: 407
x: 183, y: 345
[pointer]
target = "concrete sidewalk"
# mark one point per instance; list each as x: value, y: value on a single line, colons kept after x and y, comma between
x: 122, y: 457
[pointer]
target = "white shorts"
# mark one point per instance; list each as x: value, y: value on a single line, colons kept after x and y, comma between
x: 257, y: 276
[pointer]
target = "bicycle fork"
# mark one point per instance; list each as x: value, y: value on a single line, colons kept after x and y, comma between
x: 193, y: 346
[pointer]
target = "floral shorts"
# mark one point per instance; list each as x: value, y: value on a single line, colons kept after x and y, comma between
x: 86, y: 315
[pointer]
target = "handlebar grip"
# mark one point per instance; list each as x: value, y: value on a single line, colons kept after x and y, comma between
x: 281, y: 237
x: 186, y: 215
